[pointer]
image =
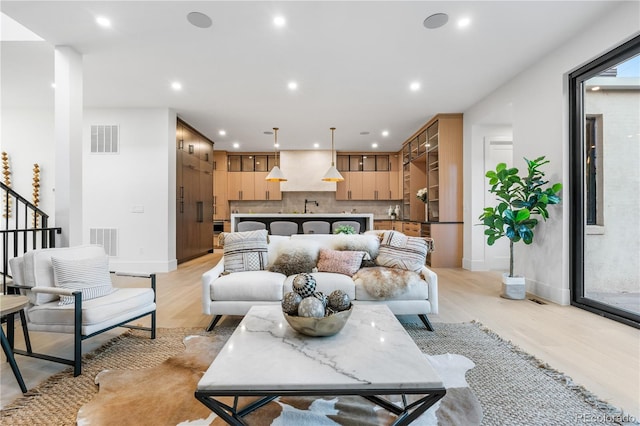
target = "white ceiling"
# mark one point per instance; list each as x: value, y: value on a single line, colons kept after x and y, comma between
x: 353, y: 62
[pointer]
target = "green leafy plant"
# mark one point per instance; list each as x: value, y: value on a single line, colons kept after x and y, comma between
x: 520, y: 200
x: 344, y: 229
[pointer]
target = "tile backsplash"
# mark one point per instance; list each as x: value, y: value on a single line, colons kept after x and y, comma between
x: 293, y: 202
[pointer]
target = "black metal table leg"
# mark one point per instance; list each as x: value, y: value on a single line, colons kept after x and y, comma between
x: 8, y: 351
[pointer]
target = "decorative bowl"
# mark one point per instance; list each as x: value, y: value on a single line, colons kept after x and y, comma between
x: 317, y: 327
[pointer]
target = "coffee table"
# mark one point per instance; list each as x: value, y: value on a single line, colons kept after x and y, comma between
x: 372, y: 356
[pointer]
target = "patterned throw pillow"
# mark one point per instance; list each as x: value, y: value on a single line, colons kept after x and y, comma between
x: 341, y: 262
x: 400, y: 251
x: 90, y: 276
x: 245, y: 251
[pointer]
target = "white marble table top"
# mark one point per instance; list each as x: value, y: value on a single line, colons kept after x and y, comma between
x: 372, y: 351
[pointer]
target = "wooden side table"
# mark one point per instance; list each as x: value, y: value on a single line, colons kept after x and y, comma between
x: 10, y: 305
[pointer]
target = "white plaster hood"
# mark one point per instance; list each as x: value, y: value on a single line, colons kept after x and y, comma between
x: 304, y: 171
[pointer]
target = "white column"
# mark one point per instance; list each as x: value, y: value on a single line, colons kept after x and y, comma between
x: 68, y: 141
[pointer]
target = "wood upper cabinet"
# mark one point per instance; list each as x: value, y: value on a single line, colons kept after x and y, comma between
x: 240, y: 186
x: 376, y: 186
x: 369, y: 176
x: 264, y: 190
x: 351, y: 188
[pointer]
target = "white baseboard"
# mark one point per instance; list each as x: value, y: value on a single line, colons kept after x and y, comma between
x: 561, y: 296
x: 474, y: 265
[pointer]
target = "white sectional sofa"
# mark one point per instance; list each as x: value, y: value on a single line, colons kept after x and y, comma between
x: 236, y: 292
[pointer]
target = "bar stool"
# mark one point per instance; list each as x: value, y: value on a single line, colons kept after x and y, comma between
x: 316, y: 227
x: 10, y: 305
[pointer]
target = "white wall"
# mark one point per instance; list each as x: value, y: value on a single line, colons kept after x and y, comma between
x: 27, y: 138
x: 140, y: 177
x: 538, y: 103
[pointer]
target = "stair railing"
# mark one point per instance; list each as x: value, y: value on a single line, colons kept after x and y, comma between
x: 24, y: 227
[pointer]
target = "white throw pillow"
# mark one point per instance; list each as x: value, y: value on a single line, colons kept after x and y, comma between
x: 245, y: 251
x: 400, y: 251
x: 91, y: 276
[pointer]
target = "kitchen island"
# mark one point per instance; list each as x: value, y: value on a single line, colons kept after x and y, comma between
x: 365, y: 219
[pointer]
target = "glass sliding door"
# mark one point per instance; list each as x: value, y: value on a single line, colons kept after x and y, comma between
x: 605, y: 184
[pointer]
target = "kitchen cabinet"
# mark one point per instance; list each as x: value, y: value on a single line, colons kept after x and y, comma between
x: 447, y: 238
x: 432, y: 158
x: 240, y: 186
x: 351, y: 188
x: 194, y: 197
x: 220, y: 200
x: 246, y: 178
x: 368, y: 176
x: 264, y: 190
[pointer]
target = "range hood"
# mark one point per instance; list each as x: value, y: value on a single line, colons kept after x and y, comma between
x: 304, y: 171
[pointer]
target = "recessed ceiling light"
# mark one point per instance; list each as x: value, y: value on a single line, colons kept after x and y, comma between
x: 292, y: 85
x: 364, y: 133
x: 415, y: 86
x: 279, y: 21
x: 103, y: 22
x: 464, y: 22
x: 53, y: 85
x: 316, y: 145
x: 595, y: 88
x: 176, y: 85
x: 222, y: 133
x: 199, y: 20
x: 374, y: 145
x: 385, y: 133
x: 236, y: 145
x: 435, y: 21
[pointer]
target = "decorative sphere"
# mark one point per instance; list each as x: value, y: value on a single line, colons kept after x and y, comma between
x: 321, y: 297
x: 290, y: 303
x: 304, y: 284
x: 311, y: 307
x: 339, y: 300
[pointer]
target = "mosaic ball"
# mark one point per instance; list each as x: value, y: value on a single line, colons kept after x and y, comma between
x: 321, y: 297
x: 290, y: 303
x: 304, y: 284
x: 339, y: 300
x: 311, y: 307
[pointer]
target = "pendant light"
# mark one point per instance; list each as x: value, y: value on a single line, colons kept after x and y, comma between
x: 275, y: 175
x: 332, y: 175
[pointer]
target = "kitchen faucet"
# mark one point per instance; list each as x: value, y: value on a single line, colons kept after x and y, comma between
x: 309, y: 202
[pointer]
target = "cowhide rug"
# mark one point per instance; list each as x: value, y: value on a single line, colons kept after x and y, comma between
x: 164, y: 395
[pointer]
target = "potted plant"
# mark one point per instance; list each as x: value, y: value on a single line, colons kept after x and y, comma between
x: 345, y: 229
x: 520, y: 201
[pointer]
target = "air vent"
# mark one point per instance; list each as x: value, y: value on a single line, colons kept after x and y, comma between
x: 105, y: 237
x: 105, y: 139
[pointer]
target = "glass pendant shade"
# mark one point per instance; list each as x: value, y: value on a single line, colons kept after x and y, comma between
x: 332, y: 175
x: 275, y: 175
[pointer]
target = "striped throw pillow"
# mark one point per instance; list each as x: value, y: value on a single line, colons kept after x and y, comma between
x: 90, y: 276
x: 245, y: 251
x: 400, y: 251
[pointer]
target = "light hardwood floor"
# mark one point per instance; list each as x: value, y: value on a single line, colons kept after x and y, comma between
x: 600, y: 354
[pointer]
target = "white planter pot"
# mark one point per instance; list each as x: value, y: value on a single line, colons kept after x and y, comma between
x: 513, y: 287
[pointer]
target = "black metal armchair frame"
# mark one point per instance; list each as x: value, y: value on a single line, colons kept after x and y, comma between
x: 78, y: 337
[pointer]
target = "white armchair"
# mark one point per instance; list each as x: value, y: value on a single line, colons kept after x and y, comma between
x: 87, y: 312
